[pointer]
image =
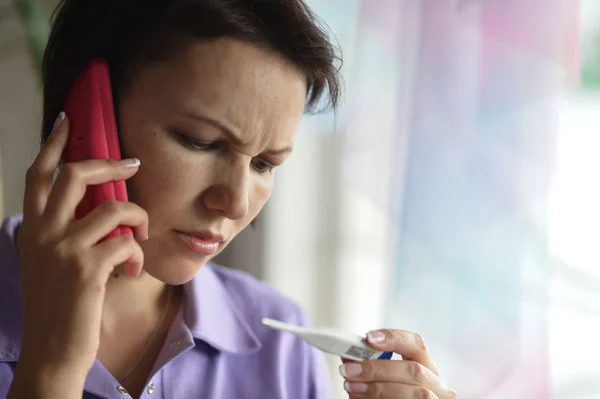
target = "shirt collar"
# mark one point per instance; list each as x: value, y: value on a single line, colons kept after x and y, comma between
x: 212, y: 315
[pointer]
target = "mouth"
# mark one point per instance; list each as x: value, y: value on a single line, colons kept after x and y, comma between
x: 203, y: 243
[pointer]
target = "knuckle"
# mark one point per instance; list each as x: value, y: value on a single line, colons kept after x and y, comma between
x: 117, y: 207
x: 137, y: 208
x: 366, y: 370
x: 423, y: 393
x: 377, y: 390
x: 370, y: 371
x: 104, y: 264
x: 63, y: 251
x: 70, y: 173
x: 67, y: 251
x: 144, y: 213
x: 41, y: 238
x: 32, y: 174
x: 421, y: 342
x: 128, y: 240
x: 417, y: 372
x: 112, y: 207
x: 129, y: 245
x: 396, y: 336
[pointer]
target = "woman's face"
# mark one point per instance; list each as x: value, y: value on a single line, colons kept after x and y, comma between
x: 210, y: 127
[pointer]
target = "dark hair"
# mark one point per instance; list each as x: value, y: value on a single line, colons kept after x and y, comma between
x: 131, y: 33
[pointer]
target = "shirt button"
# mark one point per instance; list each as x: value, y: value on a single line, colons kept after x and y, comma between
x: 175, y: 344
x: 122, y: 390
x: 150, y: 388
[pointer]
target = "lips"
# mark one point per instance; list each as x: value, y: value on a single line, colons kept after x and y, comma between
x: 203, y: 243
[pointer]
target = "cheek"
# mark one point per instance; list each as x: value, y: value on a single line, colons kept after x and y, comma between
x: 152, y: 189
x: 261, y: 194
x: 165, y: 181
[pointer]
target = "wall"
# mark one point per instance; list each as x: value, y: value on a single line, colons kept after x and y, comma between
x: 19, y: 114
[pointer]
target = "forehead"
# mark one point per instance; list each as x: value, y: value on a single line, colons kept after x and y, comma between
x: 246, y: 86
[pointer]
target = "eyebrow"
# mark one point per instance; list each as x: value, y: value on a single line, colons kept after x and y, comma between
x: 234, y: 137
x: 279, y: 152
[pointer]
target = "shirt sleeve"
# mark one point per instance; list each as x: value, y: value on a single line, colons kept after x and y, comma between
x: 6, y: 377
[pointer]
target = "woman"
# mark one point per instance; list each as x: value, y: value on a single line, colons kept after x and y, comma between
x: 209, y: 94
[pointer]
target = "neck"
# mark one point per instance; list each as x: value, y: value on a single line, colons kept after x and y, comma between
x: 128, y: 298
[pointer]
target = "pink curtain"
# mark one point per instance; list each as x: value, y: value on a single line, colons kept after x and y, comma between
x: 457, y: 101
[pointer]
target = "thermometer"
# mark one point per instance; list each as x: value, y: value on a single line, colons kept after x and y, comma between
x: 346, y: 345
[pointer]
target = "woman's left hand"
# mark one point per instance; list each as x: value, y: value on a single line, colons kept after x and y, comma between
x: 416, y: 376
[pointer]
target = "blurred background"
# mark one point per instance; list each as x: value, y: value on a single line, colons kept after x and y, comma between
x: 454, y: 194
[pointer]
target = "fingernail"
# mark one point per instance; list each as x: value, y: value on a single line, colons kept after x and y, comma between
x: 59, y: 120
x: 355, y: 387
x: 376, y: 337
x: 350, y: 369
x: 131, y: 162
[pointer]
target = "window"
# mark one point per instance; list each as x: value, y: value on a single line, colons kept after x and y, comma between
x: 574, y: 228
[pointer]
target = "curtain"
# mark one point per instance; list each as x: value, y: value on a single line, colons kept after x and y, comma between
x: 451, y: 132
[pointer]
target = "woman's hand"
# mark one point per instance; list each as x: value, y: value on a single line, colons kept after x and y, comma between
x: 64, y: 264
x: 414, y: 377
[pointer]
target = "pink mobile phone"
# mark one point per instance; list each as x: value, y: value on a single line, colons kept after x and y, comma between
x: 93, y: 135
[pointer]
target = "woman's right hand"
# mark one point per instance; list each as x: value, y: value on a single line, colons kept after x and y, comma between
x: 64, y: 265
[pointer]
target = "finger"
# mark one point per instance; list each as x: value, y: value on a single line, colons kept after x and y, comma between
x: 387, y: 390
x: 38, y: 181
x: 118, y: 250
x: 106, y: 217
x: 406, y: 372
x: 74, y: 178
x: 408, y: 344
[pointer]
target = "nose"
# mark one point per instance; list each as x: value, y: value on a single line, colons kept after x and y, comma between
x: 229, y: 192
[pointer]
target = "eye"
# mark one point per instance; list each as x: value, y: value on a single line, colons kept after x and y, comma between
x: 262, y: 166
x: 197, y: 145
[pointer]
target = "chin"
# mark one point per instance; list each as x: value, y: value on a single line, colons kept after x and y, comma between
x: 174, y: 270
